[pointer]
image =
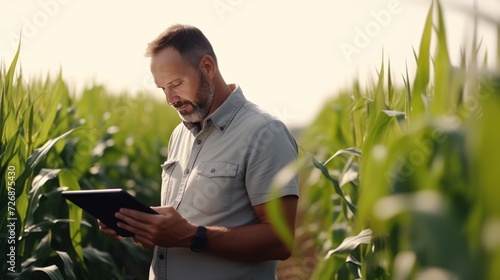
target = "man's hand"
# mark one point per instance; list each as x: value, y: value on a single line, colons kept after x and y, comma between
x: 168, y: 229
x: 256, y: 242
x: 112, y: 233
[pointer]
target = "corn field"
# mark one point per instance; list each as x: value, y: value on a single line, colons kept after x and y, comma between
x: 403, y: 184
x: 52, y: 140
x: 397, y: 182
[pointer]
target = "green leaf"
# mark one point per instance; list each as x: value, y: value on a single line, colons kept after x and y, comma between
x: 335, y: 184
x: 52, y: 271
x: 375, y: 149
x: 44, y: 226
x: 9, y: 78
x: 379, y: 99
x: 68, y: 265
x: 93, y: 255
x: 435, y: 229
x: 442, y: 70
x: 66, y: 178
x: 352, y: 242
x: 11, y: 149
x: 358, y: 119
x: 423, y: 69
x: 24, y: 178
x: 38, y: 155
x: 50, y: 112
x: 350, y: 173
x: 34, y: 195
x: 41, y: 253
x: 348, y: 151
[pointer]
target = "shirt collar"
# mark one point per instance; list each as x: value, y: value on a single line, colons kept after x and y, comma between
x: 222, y: 116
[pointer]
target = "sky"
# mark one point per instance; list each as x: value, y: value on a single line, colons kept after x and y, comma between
x: 289, y: 56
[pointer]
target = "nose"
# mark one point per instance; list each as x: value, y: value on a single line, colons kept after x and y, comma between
x: 171, y: 97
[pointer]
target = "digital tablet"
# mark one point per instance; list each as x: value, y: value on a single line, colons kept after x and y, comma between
x: 104, y: 203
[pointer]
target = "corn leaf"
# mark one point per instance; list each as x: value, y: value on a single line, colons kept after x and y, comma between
x: 352, y: 242
x: 68, y: 265
x: 35, y: 192
x: 93, y: 255
x: 348, y: 151
x: 9, y: 77
x: 66, y: 178
x: 422, y: 77
x: 442, y: 72
x: 52, y: 271
x: 38, y: 155
x: 335, y: 184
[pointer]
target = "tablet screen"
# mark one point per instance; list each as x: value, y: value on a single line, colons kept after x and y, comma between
x: 103, y: 204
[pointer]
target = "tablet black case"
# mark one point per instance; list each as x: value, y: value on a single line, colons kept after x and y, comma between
x: 103, y: 204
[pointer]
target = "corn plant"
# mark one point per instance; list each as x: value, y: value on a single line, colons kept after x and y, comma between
x: 53, y: 140
x: 404, y: 179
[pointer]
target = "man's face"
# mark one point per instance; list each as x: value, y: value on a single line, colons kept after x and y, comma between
x: 186, y: 89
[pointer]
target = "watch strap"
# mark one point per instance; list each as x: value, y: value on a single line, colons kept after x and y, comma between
x: 199, y: 241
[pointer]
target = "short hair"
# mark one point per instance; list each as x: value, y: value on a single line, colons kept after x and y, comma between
x: 188, y: 40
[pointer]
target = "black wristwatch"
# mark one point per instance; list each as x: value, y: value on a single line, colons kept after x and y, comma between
x: 199, y: 241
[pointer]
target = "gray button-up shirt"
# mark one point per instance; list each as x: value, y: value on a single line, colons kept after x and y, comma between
x: 214, y: 176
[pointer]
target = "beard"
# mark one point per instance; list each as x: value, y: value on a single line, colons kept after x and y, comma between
x: 200, y: 107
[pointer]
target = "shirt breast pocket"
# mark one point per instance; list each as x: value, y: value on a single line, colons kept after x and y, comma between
x: 168, y: 182
x: 213, y: 187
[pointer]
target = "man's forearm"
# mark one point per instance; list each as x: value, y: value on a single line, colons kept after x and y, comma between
x: 256, y: 242
x: 250, y: 243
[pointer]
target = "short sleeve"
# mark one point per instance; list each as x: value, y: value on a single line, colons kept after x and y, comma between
x: 272, y: 148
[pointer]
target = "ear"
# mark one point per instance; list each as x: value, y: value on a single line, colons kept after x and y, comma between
x: 208, y: 66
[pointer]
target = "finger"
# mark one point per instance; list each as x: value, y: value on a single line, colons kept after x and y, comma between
x: 137, y: 215
x: 124, y: 225
x: 141, y: 237
x: 163, y: 210
x: 104, y: 228
x: 137, y: 229
x: 138, y: 223
x: 130, y: 220
x: 108, y: 231
x: 102, y: 225
x: 157, y: 208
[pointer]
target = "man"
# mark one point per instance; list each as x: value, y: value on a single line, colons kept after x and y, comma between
x: 216, y: 181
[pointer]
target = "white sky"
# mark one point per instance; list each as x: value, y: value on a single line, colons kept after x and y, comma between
x: 286, y: 54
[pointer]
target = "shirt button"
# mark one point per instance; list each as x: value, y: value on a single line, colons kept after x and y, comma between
x: 186, y: 172
x: 198, y: 141
x: 161, y: 256
x: 213, y: 170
